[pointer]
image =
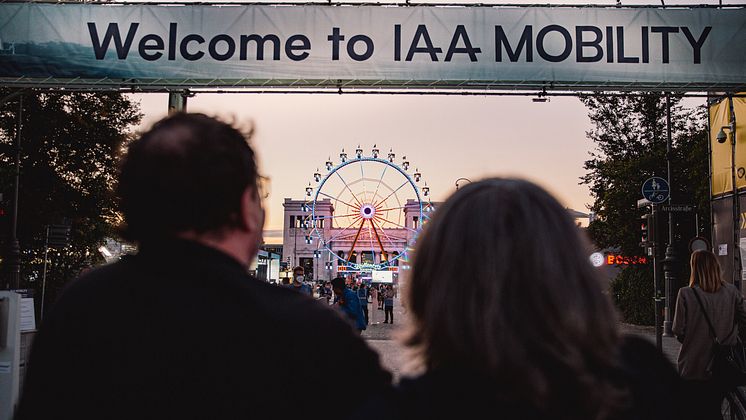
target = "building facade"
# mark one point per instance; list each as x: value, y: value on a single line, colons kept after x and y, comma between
x: 367, y: 246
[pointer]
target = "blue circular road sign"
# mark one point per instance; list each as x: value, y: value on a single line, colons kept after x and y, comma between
x: 656, y: 190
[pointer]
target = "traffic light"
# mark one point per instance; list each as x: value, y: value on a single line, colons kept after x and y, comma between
x: 646, y: 230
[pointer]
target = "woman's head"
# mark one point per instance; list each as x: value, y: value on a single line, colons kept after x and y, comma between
x: 705, y: 271
x: 501, y: 284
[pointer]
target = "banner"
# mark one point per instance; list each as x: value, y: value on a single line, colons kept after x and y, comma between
x: 720, y: 116
x: 484, y: 47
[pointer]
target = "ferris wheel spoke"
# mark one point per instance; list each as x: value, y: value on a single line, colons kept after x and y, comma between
x: 354, y: 221
x: 362, y: 178
x: 378, y: 237
x: 380, y: 180
x: 395, y: 224
x: 357, y: 235
x: 348, y: 188
x: 337, y: 199
x: 391, y: 208
x: 372, y: 249
x: 389, y: 237
x: 338, y: 216
x: 393, y: 192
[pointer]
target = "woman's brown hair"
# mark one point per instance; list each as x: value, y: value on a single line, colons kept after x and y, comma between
x: 705, y: 271
x: 501, y: 285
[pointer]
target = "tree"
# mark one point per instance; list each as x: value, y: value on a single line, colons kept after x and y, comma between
x: 630, y: 137
x: 70, y: 144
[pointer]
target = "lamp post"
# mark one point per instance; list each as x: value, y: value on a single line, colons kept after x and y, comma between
x: 461, y: 179
x: 14, y: 250
x: 721, y: 138
x: 669, y: 262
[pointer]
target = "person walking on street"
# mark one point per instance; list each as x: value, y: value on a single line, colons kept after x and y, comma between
x: 520, y: 335
x: 388, y: 304
x: 373, y: 294
x: 362, y: 294
x: 381, y: 293
x: 349, y: 303
x: 707, y: 301
x: 299, y: 283
x: 181, y: 330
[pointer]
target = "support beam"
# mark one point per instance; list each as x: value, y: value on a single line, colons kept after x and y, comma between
x: 177, y: 101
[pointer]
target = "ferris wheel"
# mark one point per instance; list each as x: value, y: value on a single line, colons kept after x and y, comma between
x: 366, y: 211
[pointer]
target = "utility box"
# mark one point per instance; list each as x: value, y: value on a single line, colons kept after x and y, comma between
x: 10, y: 352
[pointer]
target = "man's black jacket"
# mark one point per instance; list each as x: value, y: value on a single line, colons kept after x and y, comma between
x: 180, y: 331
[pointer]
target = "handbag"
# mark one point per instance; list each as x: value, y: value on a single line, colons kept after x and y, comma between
x: 728, y: 361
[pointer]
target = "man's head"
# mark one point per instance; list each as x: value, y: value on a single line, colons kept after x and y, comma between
x: 298, y: 274
x: 338, y: 285
x: 191, y: 174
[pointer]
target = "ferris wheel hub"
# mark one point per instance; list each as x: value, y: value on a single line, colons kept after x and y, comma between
x: 367, y: 211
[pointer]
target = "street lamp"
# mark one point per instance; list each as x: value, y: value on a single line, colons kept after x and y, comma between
x: 461, y: 179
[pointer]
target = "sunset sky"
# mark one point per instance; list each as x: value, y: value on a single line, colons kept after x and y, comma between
x: 445, y: 137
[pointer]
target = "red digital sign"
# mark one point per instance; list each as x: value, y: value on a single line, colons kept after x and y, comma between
x: 616, y: 259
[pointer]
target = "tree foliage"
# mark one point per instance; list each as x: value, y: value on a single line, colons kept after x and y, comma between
x: 70, y: 144
x: 629, y: 133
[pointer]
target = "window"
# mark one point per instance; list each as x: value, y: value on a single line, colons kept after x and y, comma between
x: 415, y: 222
x: 367, y: 257
x: 308, y: 265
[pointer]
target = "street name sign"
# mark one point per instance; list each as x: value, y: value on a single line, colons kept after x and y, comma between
x: 679, y: 208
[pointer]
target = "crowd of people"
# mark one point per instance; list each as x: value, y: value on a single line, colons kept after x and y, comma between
x: 180, y: 330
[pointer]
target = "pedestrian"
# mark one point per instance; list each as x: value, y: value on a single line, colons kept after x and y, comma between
x: 181, y: 330
x: 348, y: 302
x: 327, y: 291
x: 362, y: 294
x: 707, y: 299
x: 299, y: 283
x: 381, y: 293
x: 373, y: 293
x: 388, y: 304
x: 528, y: 332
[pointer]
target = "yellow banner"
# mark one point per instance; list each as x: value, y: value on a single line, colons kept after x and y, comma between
x: 720, y: 117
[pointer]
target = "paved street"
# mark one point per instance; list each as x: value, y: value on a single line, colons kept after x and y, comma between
x: 382, y: 338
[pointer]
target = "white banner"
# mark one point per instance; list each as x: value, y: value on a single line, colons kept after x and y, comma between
x: 349, y: 45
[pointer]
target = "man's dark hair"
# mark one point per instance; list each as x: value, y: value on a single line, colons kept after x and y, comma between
x: 338, y: 283
x: 188, y: 172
